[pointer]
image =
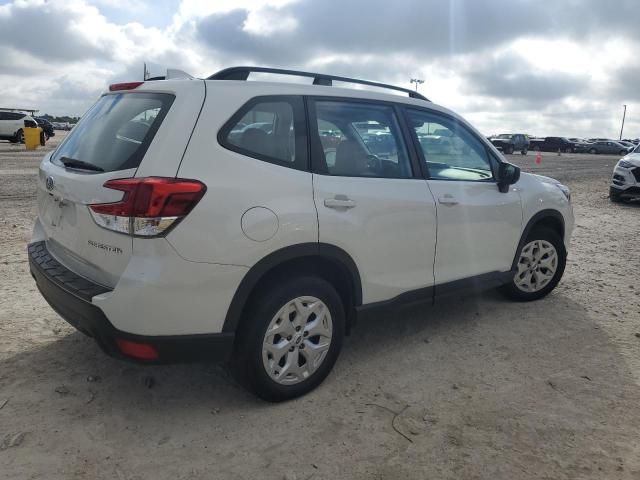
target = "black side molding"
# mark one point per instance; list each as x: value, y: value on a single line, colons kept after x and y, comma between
x: 471, y: 285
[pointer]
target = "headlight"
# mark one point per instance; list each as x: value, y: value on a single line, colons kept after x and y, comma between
x: 564, y: 189
x: 625, y: 164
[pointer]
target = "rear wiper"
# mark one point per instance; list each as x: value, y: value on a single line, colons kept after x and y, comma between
x: 75, y: 163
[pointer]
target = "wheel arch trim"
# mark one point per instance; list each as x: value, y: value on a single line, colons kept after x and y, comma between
x: 533, y: 221
x: 275, y: 259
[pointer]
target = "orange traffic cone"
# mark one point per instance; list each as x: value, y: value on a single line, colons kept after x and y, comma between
x: 539, y: 158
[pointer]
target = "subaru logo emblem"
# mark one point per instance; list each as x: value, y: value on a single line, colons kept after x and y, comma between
x: 50, y: 183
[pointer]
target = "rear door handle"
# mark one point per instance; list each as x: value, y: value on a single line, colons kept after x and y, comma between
x: 339, y: 201
x: 447, y: 199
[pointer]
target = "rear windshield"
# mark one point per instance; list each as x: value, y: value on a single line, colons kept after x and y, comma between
x: 115, y: 133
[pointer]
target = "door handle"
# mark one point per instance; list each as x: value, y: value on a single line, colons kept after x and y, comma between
x: 339, y: 201
x: 447, y: 199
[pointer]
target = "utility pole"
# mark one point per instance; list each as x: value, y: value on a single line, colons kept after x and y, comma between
x: 145, y: 74
x: 624, y: 115
x: 417, y: 81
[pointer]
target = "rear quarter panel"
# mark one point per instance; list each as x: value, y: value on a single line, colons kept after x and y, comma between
x: 213, y: 231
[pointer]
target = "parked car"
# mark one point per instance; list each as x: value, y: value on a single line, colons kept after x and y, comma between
x: 625, y: 183
x: 629, y: 145
x: 46, y: 126
x: 12, y: 125
x: 177, y: 241
x: 552, y: 144
x: 510, y: 143
x: 608, y: 147
x: 580, y: 145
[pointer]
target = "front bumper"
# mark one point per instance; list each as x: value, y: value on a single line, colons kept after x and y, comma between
x: 70, y: 296
x: 625, y: 192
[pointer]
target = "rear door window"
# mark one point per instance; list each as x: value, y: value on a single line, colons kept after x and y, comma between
x: 115, y: 133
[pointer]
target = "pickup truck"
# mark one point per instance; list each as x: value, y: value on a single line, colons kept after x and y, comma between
x: 552, y: 144
x: 510, y: 143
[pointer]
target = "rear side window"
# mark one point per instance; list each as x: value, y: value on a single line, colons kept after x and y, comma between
x: 116, y: 132
x: 271, y: 129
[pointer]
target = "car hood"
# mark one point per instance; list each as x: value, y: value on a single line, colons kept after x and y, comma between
x: 542, y: 178
x: 633, y: 158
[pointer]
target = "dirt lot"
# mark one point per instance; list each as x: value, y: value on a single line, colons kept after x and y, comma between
x: 473, y: 388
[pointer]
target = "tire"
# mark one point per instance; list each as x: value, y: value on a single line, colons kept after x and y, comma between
x: 524, y: 151
x: 255, y: 366
x: 508, y: 150
x: 544, y: 237
x: 593, y: 151
x: 568, y: 150
x: 614, y: 196
x: 19, y: 136
x: 623, y: 152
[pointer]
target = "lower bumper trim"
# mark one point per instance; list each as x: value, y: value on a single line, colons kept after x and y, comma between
x: 91, y: 320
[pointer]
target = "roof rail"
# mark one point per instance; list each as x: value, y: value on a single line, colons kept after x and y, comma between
x: 242, y: 73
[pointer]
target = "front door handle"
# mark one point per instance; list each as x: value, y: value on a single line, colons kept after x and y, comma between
x: 447, y: 199
x: 339, y: 201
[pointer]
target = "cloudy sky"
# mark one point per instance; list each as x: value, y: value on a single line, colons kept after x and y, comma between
x: 546, y: 67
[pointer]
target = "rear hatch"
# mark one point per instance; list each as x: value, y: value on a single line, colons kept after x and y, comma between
x: 123, y: 134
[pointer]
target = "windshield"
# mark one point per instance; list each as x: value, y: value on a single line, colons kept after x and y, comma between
x: 504, y: 135
x: 115, y: 133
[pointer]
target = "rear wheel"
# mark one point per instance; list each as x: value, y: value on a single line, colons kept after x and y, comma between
x: 593, y: 151
x: 290, y: 339
x: 19, y: 136
x: 540, y: 265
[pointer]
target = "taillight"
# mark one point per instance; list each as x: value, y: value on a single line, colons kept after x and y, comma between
x: 115, y: 87
x: 150, y: 206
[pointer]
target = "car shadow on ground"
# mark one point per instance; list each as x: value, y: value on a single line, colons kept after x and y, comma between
x: 473, y: 322
x: 470, y: 374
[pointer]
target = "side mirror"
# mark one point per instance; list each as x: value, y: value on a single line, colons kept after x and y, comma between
x: 508, y: 174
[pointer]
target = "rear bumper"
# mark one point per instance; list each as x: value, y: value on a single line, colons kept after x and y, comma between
x: 70, y: 296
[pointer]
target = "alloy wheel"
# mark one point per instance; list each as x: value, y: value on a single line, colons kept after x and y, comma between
x: 537, y: 266
x: 297, y: 340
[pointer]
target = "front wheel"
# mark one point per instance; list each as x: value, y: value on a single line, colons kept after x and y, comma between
x: 540, y: 265
x: 290, y: 339
x: 593, y: 151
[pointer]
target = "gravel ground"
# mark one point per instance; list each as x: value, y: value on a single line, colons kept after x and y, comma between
x: 472, y: 388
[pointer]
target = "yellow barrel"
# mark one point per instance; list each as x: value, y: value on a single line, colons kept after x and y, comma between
x: 32, y: 137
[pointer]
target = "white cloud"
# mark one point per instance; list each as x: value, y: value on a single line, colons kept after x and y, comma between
x: 540, y: 75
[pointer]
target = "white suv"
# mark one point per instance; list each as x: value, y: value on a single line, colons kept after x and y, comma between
x: 12, y: 124
x: 255, y: 222
x: 625, y: 183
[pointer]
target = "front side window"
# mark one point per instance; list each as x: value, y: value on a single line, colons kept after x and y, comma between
x: 360, y: 140
x: 266, y: 130
x: 450, y: 151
